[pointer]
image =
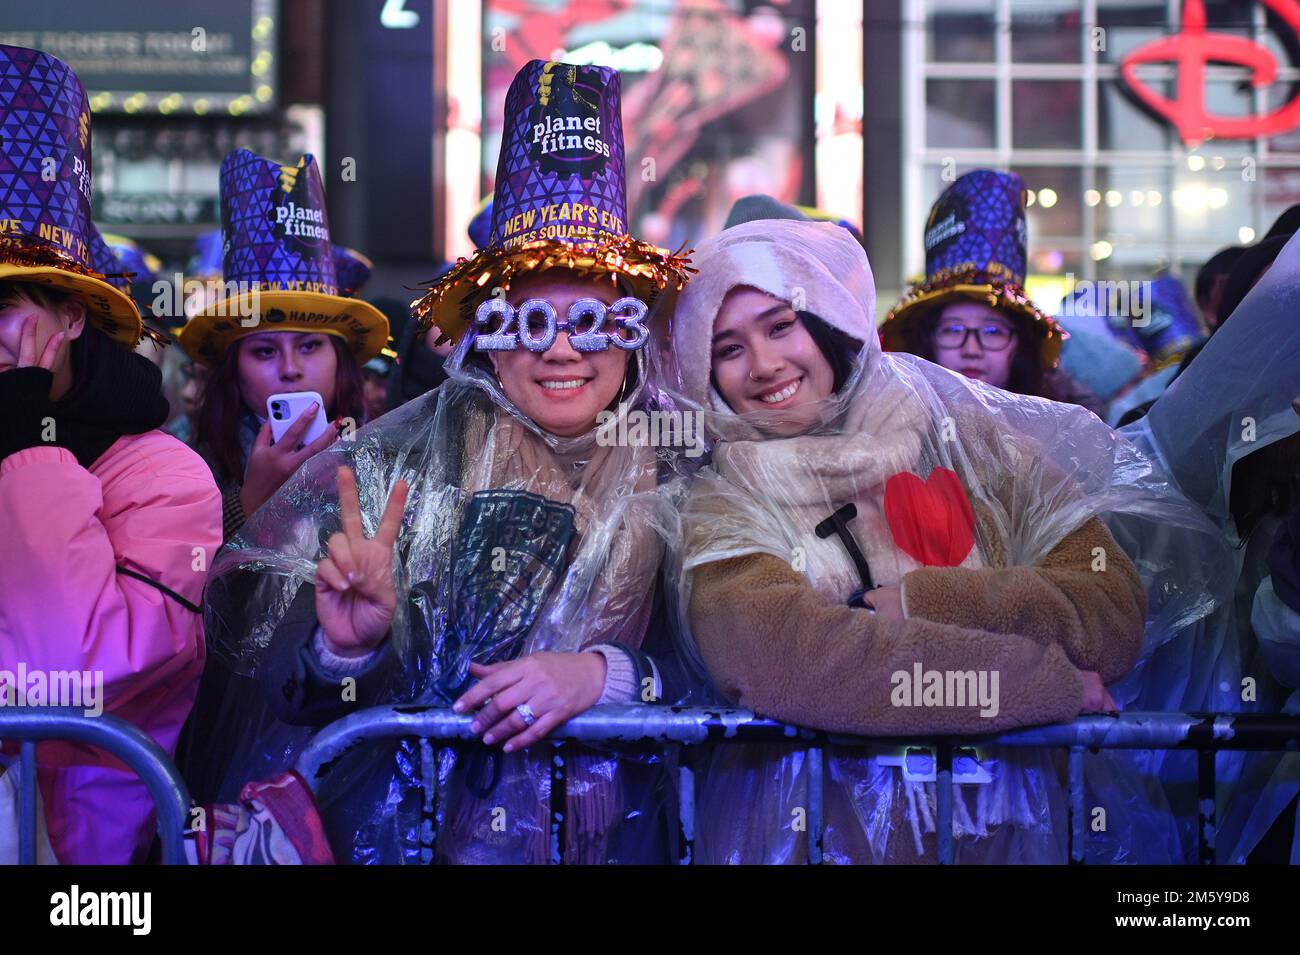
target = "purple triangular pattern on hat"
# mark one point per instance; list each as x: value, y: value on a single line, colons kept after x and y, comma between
x: 562, y: 145
x: 978, y: 224
x: 44, y: 129
x: 275, y: 225
x: 104, y: 261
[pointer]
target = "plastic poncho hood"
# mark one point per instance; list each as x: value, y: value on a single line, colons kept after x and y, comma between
x: 1032, y: 470
x: 833, y: 283
x: 514, y: 541
x: 1232, y: 401
x: 942, y: 471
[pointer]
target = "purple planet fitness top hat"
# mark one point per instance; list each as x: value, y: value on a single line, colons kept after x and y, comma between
x: 274, y: 223
x: 279, y: 265
x: 975, y: 248
x: 562, y: 181
x: 46, y: 234
x: 560, y: 199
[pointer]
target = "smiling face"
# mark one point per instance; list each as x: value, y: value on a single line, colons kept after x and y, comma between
x: 978, y: 357
x: 561, y: 390
x: 763, y: 356
x: 274, y: 362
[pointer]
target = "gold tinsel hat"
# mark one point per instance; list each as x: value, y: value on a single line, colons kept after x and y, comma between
x: 560, y: 199
x: 975, y: 249
x: 46, y: 235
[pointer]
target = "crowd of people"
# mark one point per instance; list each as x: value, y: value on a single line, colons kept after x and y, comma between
x: 288, y: 504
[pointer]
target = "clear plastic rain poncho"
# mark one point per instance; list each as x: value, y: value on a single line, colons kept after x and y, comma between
x: 1034, y: 471
x: 581, y: 560
x: 1232, y: 401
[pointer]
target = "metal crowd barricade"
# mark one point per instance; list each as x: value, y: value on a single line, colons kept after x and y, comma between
x: 134, y: 747
x: 675, y: 727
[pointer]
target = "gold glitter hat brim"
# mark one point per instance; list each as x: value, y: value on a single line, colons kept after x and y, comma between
x: 108, y: 308
x: 207, y: 336
x: 1007, y: 296
x: 655, y: 275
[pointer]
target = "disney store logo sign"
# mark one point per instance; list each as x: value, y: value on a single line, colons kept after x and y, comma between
x: 1190, y: 51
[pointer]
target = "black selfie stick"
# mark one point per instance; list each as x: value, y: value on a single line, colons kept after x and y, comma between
x: 838, y: 523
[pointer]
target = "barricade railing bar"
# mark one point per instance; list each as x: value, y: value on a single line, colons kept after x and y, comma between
x: 671, y: 728
x: 675, y: 727
x: 30, y: 725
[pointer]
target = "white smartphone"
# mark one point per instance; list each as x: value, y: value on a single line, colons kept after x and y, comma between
x: 284, y: 409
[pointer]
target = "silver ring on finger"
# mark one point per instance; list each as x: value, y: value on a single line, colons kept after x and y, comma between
x: 526, y: 714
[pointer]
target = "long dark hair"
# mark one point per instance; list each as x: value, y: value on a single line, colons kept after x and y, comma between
x: 839, y: 348
x: 216, y: 425
x: 1026, y: 376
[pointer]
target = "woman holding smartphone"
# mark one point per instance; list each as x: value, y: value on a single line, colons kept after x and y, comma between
x: 284, y: 326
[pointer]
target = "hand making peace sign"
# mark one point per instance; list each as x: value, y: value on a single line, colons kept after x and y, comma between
x: 355, y: 598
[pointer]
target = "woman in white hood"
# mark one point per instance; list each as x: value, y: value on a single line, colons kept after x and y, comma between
x: 870, y: 518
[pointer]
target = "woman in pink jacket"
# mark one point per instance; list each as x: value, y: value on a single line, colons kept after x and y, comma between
x: 107, y: 525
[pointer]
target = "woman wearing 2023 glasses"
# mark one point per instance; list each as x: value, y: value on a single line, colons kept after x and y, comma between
x: 479, y: 547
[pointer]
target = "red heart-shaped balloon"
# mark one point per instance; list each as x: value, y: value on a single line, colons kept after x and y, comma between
x: 932, y: 521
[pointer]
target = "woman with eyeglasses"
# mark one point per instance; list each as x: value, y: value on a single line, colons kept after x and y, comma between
x: 971, y: 314
x: 978, y: 341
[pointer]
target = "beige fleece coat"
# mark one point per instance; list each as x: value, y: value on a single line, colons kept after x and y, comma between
x: 1019, y: 579
x: 776, y: 645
